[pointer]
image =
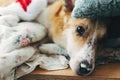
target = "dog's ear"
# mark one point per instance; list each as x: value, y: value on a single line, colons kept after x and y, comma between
x: 101, y: 30
x: 69, y: 4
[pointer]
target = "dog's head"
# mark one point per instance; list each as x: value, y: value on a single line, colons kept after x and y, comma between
x: 82, y: 36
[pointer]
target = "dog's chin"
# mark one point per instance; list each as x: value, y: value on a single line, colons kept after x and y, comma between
x: 74, y: 66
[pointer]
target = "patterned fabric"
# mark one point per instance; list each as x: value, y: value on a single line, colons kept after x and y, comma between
x: 20, y: 51
x: 108, y: 55
x: 96, y: 8
x: 24, y: 3
x: 26, y: 10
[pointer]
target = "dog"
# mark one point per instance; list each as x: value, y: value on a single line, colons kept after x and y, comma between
x: 78, y: 36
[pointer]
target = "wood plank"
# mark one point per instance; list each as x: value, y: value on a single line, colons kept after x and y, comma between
x: 102, y: 72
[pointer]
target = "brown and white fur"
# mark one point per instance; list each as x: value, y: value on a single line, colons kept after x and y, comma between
x: 78, y: 36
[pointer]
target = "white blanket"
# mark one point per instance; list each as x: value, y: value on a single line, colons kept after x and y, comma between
x: 23, y: 45
x: 18, y: 54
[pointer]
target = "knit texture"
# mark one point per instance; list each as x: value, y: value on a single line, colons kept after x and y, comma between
x: 96, y: 8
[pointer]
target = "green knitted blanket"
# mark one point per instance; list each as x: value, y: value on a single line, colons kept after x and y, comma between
x: 96, y: 8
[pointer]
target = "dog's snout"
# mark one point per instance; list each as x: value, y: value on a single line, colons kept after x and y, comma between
x: 85, y: 68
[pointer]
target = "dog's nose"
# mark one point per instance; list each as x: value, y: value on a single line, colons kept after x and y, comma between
x: 85, y: 68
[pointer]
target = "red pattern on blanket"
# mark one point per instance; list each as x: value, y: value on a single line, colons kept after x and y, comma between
x: 24, y: 3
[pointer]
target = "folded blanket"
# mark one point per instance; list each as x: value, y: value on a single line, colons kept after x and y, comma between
x: 96, y: 8
x: 18, y: 54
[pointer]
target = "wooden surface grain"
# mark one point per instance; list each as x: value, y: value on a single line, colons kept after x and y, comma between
x: 102, y: 72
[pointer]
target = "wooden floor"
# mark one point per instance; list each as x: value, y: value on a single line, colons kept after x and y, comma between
x: 102, y: 72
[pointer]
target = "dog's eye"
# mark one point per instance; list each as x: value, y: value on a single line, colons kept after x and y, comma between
x: 80, y: 30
